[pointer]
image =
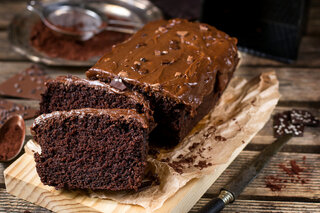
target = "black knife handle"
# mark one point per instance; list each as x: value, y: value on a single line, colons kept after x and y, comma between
x: 214, y: 206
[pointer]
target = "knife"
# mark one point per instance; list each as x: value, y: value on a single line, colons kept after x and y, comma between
x: 231, y: 191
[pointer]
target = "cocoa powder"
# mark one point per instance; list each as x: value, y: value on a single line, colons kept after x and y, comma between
x: 58, y: 46
x: 10, y: 142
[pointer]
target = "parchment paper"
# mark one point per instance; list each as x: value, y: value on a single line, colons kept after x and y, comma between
x: 241, y: 112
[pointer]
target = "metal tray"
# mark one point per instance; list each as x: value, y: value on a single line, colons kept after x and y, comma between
x: 19, y: 30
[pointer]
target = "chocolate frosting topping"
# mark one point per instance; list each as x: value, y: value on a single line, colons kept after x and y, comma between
x: 178, y: 58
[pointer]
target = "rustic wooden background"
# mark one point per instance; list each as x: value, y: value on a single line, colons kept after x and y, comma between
x: 300, y: 88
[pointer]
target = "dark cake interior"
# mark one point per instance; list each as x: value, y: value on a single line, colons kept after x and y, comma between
x: 91, y: 149
x: 70, y: 92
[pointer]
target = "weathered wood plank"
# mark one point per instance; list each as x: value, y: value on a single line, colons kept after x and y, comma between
x: 263, y: 206
x: 309, y: 190
x: 10, y: 203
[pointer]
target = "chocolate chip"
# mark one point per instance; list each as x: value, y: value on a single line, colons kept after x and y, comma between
x: 19, y: 90
x: 140, y: 45
x: 118, y: 84
x: 16, y: 85
x: 174, y: 45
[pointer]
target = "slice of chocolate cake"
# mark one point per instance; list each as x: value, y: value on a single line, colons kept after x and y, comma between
x: 92, y: 148
x: 70, y: 92
x: 181, y: 67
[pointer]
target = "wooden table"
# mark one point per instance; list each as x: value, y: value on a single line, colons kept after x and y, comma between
x: 300, y: 88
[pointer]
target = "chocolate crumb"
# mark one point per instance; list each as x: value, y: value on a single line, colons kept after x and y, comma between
x: 203, y: 164
x: 193, y: 146
x: 295, y: 168
x: 220, y: 138
x: 273, y: 183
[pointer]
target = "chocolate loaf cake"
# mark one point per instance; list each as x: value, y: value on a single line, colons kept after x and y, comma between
x: 70, y: 92
x: 181, y: 67
x: 92, y: 148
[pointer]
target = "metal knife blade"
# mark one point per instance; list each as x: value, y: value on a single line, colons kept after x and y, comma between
x: 232, y: 190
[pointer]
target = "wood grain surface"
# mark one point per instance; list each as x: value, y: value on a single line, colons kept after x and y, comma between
x: 299, y: 86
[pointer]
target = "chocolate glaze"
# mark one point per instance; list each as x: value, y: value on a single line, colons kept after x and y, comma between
x: 179, y: 58
x: 114, y: 114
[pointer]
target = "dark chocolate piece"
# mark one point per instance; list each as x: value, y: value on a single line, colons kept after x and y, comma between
x: 97, y: 149
x: 7, y: 109
x: 282, y: 125
x: 303, y: 117
x: 27, y: 84
x: 189, y: 65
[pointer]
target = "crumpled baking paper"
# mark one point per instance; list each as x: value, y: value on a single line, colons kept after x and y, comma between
x: 241, y: 112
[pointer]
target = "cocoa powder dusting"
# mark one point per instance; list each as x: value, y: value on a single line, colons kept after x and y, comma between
x: 10, y: 142
x: 45, y: 40
x: 275, y: 183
